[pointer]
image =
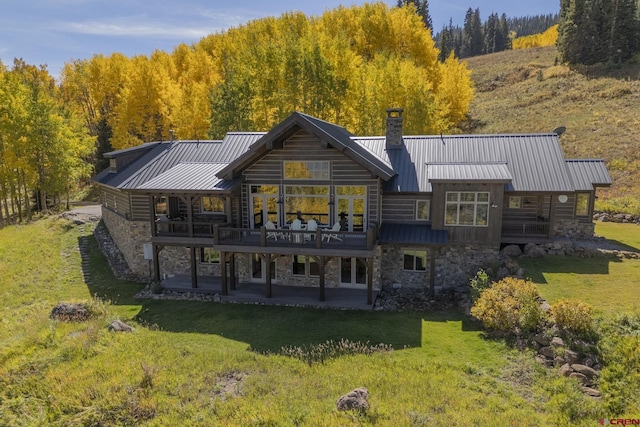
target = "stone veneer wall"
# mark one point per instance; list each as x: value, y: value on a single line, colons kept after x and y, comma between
x: 454, y: 265
x: 285, y: 277
x: 129, y: 237
x: 573, y: 229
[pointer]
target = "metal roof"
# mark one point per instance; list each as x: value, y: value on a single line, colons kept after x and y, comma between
x: 189, y: 177
x: 534, y: 161
x: 411, y: 234
x: 332, y: 134
x: 486, y: 172
x: 166, y: 155
x: 588, y: 173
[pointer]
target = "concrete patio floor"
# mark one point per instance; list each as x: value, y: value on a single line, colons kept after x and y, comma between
x: 256, y: 293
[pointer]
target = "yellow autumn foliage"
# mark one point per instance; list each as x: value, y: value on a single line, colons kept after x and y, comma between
x: 548, y: 38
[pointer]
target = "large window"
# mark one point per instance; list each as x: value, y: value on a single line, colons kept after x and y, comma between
x: 306, y: 169
x: 414, y: 260
x: 467, y: 208
x: 422, y: 209
x: 211, y: 205
x: 582, y: 204
x: 209, y: 256
x: 515, y: 202
x: 305, y: 266
x: 307, y: 202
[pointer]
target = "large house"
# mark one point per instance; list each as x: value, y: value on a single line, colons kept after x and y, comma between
x: 309, y: 204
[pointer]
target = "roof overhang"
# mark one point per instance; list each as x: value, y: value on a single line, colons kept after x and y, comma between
x: 411, y: 234
x: 330, y: 134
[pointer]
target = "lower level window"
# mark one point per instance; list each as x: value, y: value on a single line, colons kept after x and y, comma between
x: 304, y: 265
x: 209, y: 256
x: 414, y: 260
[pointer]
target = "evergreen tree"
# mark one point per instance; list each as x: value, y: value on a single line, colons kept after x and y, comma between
x: 422, y: 9
x: 491, y: 28
x: 446, y: 42
x: 472, y: 38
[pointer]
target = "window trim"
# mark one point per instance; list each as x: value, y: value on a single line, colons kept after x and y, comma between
x: 213, y: 212
x: 418, y: 210
x: 586, y: 214
x: 202, y: 261
x: 475, y: 203
x: 307, y: 267
x: 312, y: 178
x: 413, y: 252
x: 519, y: 198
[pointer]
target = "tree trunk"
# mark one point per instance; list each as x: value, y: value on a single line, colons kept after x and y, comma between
x: 18, y: 195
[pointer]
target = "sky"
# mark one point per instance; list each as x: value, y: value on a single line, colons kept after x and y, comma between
x: 54, y: 32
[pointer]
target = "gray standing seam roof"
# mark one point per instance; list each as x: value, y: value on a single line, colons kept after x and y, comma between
x: 189, y: 177
x: 411, y: 234
x: 588, y: 173
x: 534, y: 161
x: 486, y: 172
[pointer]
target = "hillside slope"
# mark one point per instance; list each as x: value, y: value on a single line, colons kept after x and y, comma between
x: 524, y: 91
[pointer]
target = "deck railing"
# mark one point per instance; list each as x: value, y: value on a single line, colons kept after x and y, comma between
x: 320, y: 238
x: 525, y: 228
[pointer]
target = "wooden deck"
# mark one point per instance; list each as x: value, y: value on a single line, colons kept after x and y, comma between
x: 255, y: 293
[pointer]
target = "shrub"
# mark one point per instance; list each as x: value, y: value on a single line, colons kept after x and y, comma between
x: 330, y: 349
x: 479, y: 283
x: 574, y: 316
x: 509, y: 305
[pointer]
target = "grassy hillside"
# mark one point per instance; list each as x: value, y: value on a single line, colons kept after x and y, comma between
x: 524, y: 91
x: 208, y: 364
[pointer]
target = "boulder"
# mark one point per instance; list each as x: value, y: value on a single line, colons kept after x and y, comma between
x: 591, y: 392
x: 512, y: 251
x: 584, y: 370
x: 547, y: 352
x: 70, y: 312
x: 534, y: 251
x: 542, y: 339
x: 571, y: 356
x: 520, y: 273
x: 119, y: 326
x: 502, y: 273
x: 557, y: 342
x: 565, y: 370
x: 357, y: 399
x: 582, y: 379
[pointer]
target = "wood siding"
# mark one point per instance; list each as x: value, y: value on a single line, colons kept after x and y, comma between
x: 140, y: 207
x: 401, y: 207
x: 116, y: 201
x: 467, y: 234
x: 304, y: 146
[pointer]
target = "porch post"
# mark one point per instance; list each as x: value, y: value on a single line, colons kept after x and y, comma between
x: 156, y: 263
x: 552, y: 214
x: 152, y: 216
x: 223, y: 272
x: 322, y: 264
x: 370, y: 280
x: 190, y: 215
x: 232, y: 270
x: 194, y: 270
x: 227, y: 208
x: 432, y: 272
x: 267, y: 260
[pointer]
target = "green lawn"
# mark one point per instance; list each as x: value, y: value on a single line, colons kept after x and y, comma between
x: 609, y: 284
x: 196, y: 363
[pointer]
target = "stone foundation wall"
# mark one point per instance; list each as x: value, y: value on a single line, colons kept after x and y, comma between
x: 454, y: 266
x: 129, y: 237
x: 573, y: 229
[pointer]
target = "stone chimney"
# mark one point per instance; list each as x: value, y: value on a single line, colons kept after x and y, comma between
x: 394, y: 128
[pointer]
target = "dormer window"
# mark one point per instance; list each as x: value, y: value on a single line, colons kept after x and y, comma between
x: 113, y: 165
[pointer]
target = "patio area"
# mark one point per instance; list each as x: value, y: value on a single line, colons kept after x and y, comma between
x: 255, y: 293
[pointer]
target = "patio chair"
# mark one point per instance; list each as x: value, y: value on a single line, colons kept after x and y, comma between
x: 312, y: 225
x: 296, y: 225
x: 271, y: 231
x: 333, y: 235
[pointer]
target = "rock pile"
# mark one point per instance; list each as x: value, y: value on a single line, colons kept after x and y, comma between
x: 399, y: 298
x: 357, y: 399
x: 70, y: 312
x: 553, y: 352
x: 616, y: 217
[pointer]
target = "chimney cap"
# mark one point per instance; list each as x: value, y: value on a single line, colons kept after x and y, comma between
x: 390, y: 112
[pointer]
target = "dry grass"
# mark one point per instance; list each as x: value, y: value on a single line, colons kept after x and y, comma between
x: 526, y: 91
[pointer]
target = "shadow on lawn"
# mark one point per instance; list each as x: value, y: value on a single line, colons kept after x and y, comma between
x: 263, y: 328
x: 536, y: 268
